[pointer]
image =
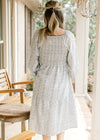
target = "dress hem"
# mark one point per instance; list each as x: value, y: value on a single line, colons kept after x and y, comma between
x: 58, y: 132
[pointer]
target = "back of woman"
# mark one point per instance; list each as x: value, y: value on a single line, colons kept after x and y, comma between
x: 54, y: 65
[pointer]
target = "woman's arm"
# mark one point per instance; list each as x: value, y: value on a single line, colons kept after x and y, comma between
x: 34, y: 54
x: 72, y: 57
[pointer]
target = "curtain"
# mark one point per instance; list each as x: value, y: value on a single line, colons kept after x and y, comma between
x: 28, y: 34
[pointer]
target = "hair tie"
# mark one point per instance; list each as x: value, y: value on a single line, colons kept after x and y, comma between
x: 58, y: 7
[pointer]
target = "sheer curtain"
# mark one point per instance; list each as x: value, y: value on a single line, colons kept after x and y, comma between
x: 28, y: 35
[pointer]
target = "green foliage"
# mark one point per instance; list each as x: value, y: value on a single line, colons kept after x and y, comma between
x: 70, y: 15
x: 39, y: 23
x: 92, y: 37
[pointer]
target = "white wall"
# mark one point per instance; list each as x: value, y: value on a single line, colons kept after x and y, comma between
x: 95, y: 135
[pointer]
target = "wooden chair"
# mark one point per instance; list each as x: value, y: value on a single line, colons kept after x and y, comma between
x: 13, y: 108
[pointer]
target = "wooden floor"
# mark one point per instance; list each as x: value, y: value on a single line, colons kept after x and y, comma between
x: 80, y: 133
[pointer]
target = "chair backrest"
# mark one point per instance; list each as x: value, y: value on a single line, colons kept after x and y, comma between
x: 4, y: 80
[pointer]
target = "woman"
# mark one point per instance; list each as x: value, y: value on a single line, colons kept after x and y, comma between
x: 54, y: 65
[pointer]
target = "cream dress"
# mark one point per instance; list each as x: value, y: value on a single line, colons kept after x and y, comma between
x: 54, y: 66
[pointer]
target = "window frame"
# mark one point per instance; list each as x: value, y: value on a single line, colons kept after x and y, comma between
x: 1, y: 34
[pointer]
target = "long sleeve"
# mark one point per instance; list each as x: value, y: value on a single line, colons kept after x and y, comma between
x: 72, y: 57
x: 34, y: 54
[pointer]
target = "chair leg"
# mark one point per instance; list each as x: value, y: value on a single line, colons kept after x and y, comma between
x: 28, y: 124
x: 23, y: 126
x: 3, y: 130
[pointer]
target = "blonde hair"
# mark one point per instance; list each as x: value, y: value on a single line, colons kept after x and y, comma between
x: 53, y: 18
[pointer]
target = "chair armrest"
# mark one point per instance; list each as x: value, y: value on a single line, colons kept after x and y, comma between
x: 12, y: 90
x: 15, y: 90
x: 24, y: 82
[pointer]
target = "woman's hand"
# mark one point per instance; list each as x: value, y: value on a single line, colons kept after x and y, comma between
x: 73, y: 84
